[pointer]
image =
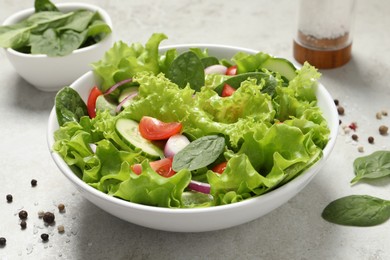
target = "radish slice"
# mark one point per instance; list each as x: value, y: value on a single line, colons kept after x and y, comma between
x: 120, y: 83
x: 216, y: 69
x: 175, y: 144
x: 119, y: 107
x: 199, y: 186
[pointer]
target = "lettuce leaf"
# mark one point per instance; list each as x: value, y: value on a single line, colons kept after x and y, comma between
x: 123, y: 61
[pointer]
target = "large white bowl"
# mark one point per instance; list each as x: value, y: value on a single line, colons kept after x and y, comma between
x: 52, y: 73
x: 199, y: 219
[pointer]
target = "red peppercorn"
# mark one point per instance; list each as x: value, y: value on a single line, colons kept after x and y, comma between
x: 353, y: 126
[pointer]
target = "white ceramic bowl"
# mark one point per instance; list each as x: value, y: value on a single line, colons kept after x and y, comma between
x: 52, y: 73
x: 199, y: 219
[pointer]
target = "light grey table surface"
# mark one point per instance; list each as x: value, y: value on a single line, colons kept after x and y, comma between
x: 293, y: 231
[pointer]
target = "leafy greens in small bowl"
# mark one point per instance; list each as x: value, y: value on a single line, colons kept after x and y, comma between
x: 192, y: 137
x: 52, y: 45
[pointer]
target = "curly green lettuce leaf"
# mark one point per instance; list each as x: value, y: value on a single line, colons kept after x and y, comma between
x: 149, y: 188
x: 123, y: 61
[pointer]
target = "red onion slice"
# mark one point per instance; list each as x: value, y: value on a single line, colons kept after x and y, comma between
x: 119, y: 107
x: 118, y: 84
x: 199, y: 186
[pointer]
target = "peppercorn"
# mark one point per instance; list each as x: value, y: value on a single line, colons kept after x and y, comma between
x: 378, y: 115
x: 340, y: 110
x: 48, y: 217
x: 355, y: 137
x: 383, y: 130
x: 336, y: 102
x: 45, y: 237
x: 61, y: 207
x: 384, y: 112
x: 361, y: 149
x: 33, y: 182
x: 23, y: 214
x: 371, y: 140
x: 3, y: 241
x: 61, y: 229
x: 23, y: 224
x: 9, y: 198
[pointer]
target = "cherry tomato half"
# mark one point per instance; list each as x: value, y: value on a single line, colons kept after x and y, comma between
x: 232, y: 70
x: 154, y: 129
x: 91, y: 103
x: 219, y: 168
x: 227, y: 90
x: 163, y: 167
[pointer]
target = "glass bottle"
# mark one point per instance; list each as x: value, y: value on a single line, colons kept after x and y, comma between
x: 324, y: 33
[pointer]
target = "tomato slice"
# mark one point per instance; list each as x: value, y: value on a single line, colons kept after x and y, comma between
x: 219, y: 168
x: 91, y: 103
x: 227, y: 90
x: 232, y: 70
x: 163, y: 167
x: 154, y: 129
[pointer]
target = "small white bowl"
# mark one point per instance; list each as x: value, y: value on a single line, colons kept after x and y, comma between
x: 53, y: 73
x: 196, y: 219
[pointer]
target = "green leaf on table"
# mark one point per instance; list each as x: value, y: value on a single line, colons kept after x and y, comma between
x: 357, y: 210
x: 373, y: 166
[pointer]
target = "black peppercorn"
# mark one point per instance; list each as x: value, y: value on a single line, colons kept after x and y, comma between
x: 3, y: 241
x: 9, y: 198
x: 61, y: 207
x: 355, y: 137
x: 33, y: 182
x: 45, y: 237
x: 48, y: 217
x: 336, y: 102
x: 371, y: 140
x: 340, y: 110
x: 23, y: 224
x: 23, y: 214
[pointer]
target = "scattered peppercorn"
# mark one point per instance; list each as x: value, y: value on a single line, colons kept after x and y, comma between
x: 384, y: 112
x: 61, y: 207
x: 340, y: 110
x: 45, y: 237
x: 23, y: 214
x: 48, y: 217
x: 355, y: 137
x: 3, y: 241
x: 61, y: 229
x: 378, y: 115
x: 353, y: 126
x: 336, y: 102
x: 361, y: 149
x: 33, y: 182
x: 371, y: 140
x: 383, y: 130
x: 23, y: 224
x: 9, y: 198
x: 340, y: 122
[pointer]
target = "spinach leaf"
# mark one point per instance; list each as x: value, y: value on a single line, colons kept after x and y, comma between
x: 44, y: 5
x: 79, y: 21
x: 235, y: 82
x: 187, y: 68
x: 373, y: 166
x: 57, y: 45
x: 15, y: 36
x: 199, y: 153
x: 69, y: 106
x: 357, y: 210
x: 208, y: 61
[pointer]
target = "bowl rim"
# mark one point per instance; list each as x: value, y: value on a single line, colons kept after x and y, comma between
x: 305, y: 177
x: 16, y: 17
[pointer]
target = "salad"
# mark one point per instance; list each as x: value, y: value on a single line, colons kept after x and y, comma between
x: 185, y: 130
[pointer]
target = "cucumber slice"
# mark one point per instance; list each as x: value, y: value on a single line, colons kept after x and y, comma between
x: 103, y: 104
x: 284, y: 67
x: 125, y: 93
x: 128, y: 130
